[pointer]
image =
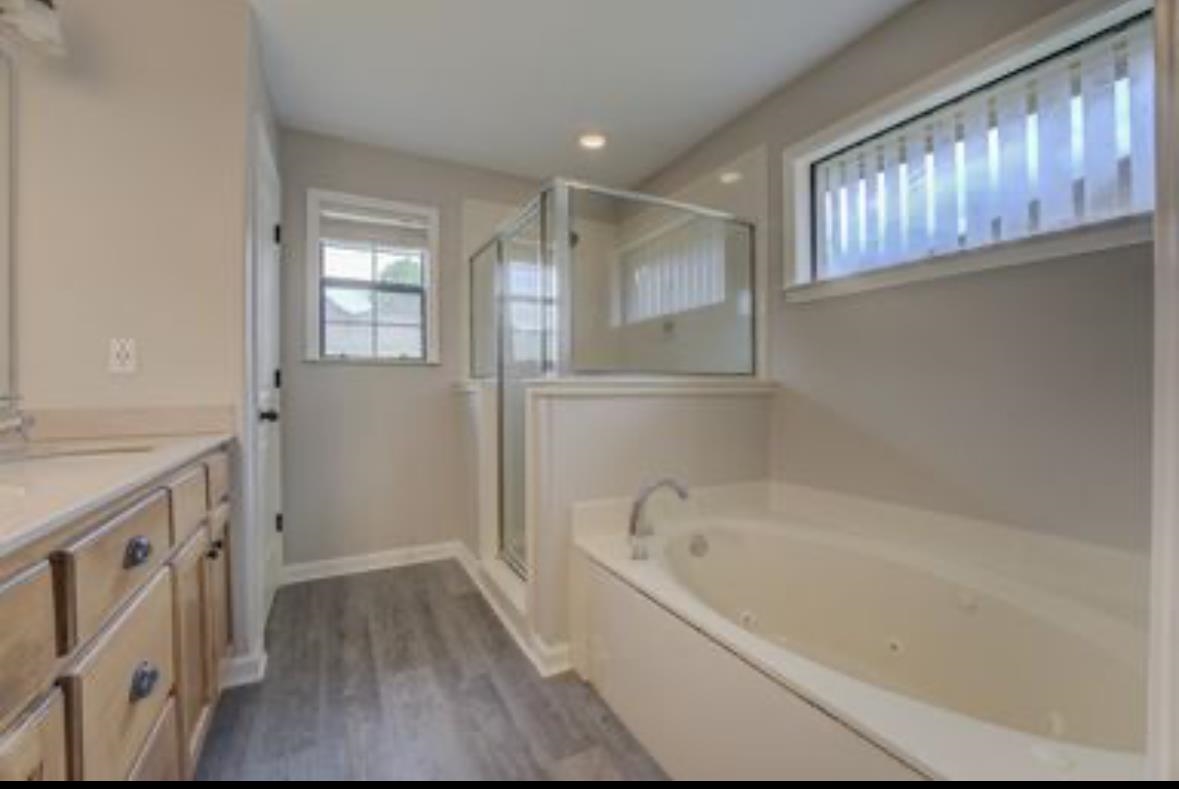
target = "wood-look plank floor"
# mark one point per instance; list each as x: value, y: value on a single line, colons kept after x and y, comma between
x: 407, y: 674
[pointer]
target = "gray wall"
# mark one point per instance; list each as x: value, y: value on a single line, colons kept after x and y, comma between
x: 373, y: 455
x: 1020, y: 394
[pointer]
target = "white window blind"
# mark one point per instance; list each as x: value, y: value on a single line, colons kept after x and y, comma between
x: 1063, y: 143
x: 674, y: 270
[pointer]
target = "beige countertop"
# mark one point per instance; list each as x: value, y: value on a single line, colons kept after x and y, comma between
x: 49, y: 485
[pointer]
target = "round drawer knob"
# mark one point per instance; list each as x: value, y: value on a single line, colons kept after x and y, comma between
x: 138, y: 549
x: 143, y: 680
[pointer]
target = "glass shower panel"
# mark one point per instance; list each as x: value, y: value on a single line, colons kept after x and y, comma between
x: 657, y: 288
x: 526, y: 299
x: 484, y: 323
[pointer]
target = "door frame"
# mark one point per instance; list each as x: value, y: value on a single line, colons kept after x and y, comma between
x: 1163, y: 693
x: 248, y: 663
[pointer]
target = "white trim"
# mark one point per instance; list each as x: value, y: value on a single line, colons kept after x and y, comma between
x: 432, y: 275
x: 243, y: 670
x: 1114, y: 234
x: 1055, y: 32
x: 363, y: 563
x: 1162, y: 740
x: 250, y: 608
x: 687, y: 386
x: 548, y: 659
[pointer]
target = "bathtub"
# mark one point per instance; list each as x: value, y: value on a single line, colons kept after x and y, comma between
x: 761, y: 649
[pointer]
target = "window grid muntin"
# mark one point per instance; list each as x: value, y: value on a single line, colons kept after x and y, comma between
x: 374, y: 286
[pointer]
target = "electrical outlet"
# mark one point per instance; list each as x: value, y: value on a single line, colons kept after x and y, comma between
x: 123, y: 359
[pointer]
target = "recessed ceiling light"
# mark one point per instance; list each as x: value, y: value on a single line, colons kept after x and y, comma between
x: 592, y: 141
x: 730, y: 177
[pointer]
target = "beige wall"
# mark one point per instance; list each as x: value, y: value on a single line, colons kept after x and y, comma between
x: 130, y: 217
x: 1021, y: 394
x: 374, y: 457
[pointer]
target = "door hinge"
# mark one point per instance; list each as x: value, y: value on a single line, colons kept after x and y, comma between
x: 278, y: 234
x: 278, y: 522
x: 278, y: 379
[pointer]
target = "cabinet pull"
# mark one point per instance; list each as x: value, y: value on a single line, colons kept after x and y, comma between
x: 138, y: 549
x: 143, y: 680
x: 212, y: 553
x: 218, y: 544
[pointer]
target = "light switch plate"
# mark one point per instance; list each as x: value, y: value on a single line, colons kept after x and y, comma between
x: 123, y: 358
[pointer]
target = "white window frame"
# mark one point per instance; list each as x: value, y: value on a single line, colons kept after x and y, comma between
x: 316, y: 199
x: 1056, y: 32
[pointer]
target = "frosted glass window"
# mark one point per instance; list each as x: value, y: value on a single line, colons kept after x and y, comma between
x: 1063, y: 143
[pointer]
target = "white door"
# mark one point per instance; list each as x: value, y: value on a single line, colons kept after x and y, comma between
x: 267, y: 361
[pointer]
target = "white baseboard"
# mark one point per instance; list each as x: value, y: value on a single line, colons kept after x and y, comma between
x: 351, y: 565
x: 545, y: 658
x: 243, y: 670
x: 548, y: 659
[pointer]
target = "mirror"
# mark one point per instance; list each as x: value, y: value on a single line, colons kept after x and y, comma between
x: 8, y: 396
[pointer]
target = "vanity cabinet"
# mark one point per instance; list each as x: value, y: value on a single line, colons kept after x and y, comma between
x: 194, y: 647
x: 111, y: 638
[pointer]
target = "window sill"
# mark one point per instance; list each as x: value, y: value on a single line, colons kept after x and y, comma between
x: 1112, y: 234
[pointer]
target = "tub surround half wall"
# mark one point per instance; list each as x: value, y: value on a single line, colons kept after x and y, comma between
x: 590, y: 439
x: 983, y: 394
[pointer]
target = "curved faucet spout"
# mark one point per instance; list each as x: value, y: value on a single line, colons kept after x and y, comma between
x: 636, y: 511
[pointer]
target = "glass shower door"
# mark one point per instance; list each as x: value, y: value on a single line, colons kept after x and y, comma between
x: 526, y: 310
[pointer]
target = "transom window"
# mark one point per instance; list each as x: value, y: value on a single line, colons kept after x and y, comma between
x: 1062, y: 143
x: 372, y: 280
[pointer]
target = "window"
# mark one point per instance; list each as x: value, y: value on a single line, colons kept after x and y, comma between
x: 530, y: 291
x: 372, y: 275
x: 676, y: 269
x: 1060, y: 143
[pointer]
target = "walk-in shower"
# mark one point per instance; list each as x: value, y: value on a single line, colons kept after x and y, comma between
x: 587, y: 280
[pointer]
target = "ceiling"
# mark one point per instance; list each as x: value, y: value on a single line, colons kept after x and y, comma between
x: 510, y: 84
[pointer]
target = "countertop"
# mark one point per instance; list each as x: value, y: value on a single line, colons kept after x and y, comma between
x: 50, y: 485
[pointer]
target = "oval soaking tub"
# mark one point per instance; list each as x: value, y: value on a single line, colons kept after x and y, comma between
x: 945, y: 668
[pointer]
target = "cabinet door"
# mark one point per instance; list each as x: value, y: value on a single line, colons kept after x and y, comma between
x: 194, y: 694
x: 219, y: 617
x: 160, y: 758
x: 34, y: 749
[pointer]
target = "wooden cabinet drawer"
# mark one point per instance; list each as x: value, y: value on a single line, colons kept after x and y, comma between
x: 119, y: 688
x: 28, y: 639
x: 34, y: 749
x: 218, y: 466
x: 104, y: 568
x: 160, y: 758
x: 190, y: 506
